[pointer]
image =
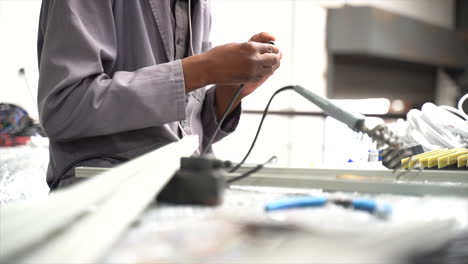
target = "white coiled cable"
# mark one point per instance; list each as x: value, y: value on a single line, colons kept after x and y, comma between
x: 436, y: 127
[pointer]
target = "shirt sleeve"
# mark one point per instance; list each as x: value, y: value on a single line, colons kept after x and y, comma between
x: 77, y: 96
x: 210, y: 119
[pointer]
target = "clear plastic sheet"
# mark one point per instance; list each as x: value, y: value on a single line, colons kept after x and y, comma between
x: 193, y: 234
x: 23, y: 171
x: 184, y: 234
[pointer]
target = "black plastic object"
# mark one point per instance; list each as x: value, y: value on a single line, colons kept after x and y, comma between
x: 197, y: 182
x: 405, y: 152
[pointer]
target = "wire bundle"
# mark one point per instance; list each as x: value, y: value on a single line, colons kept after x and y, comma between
x: 435, y: 127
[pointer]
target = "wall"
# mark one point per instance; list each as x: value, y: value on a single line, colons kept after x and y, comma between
x: 18, y: 31
x: 299, y: 26
x: 300, y: 30
x: 438, y: 12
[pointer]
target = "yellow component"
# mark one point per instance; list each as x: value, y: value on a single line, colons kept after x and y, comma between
x: 434, y: 160
x: 414, y: 159
x: 425, y: 161
x: 453, y: 158
x: 440, y: 157
x: 462, y: 160
x: 450, y: 158
x: 419, y: 157
x: 405, y: 163
x: 442, y: 162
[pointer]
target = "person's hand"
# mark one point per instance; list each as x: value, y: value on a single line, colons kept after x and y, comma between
x: 249, y: 87
x: 233, y: 63
x: 242, y: 63
x: 224, y: 93
x: 230, y: 65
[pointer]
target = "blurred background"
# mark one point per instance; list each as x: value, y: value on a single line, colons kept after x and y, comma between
x: 377, y: 57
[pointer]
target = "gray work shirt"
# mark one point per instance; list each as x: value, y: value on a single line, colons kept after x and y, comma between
x: 111, y: 79
x: 180, y: 25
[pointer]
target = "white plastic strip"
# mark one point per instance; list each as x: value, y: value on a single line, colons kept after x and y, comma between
x: 64, y: 225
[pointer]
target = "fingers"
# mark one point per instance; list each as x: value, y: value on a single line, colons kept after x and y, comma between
x: 269, y: 59
x: 263, y: 37
x: 263, y: 48
x: 278, y: 64
x: 242, y: 62
x: 271, y: 62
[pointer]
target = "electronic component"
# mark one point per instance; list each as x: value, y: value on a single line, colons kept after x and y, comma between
x: 441, y: 159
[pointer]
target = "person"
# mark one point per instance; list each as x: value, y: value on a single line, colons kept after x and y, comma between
x: 119, y: 78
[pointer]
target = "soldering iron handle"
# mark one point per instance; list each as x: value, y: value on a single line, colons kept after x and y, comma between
x: 352, y: 120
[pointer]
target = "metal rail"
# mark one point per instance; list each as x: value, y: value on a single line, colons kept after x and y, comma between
x: 426, y: 182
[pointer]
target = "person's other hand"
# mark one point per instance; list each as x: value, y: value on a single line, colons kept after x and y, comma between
x: 249, y: 87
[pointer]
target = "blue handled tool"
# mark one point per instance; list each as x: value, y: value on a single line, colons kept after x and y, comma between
x: 296, y: 202
x: 371, y: 206
x: 381, y: 210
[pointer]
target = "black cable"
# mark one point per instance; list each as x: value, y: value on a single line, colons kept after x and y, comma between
x: 248, y: 173
x: 265, y: 112
x: 220, y: 122
x: 57, y: 179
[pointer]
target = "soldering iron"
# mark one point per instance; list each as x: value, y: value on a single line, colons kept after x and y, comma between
x: 193, y: 174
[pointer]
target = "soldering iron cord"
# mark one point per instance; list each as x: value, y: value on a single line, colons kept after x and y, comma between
x: 220, y: 122
x: 265, y: 112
